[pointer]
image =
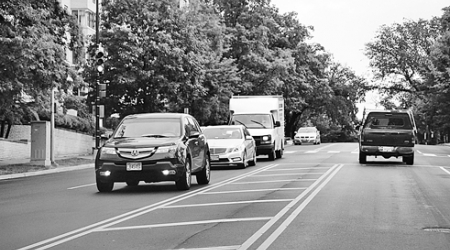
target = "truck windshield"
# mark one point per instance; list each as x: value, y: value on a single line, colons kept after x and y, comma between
x: 253, y: 121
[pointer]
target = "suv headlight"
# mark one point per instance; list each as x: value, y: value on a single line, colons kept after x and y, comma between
x: 167, y: 149
x: 107, y: 152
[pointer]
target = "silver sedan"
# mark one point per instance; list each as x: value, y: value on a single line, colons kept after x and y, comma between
x: 230, y: 145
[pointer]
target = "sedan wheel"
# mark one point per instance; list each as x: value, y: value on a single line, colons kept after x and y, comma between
x: 253, y: 161
x: 184, y: 183
x: 244, y: 160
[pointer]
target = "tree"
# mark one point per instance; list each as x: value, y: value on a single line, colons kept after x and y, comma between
x: 164, y: 58
x: 33, y: 40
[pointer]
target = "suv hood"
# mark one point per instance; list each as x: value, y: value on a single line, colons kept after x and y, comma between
x: 141, y: 142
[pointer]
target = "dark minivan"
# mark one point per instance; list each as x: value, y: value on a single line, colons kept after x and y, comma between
x: 154, y: 147
x: 388, y: 134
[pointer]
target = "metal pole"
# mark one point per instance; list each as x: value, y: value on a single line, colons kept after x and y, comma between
x: 97, y: 115
x: 52, y: 128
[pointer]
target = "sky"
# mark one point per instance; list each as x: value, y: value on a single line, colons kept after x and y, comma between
x: 343, y: 27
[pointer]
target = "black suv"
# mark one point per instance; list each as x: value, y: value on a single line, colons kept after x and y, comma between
x: 388, y: 134
x: 154, y: 147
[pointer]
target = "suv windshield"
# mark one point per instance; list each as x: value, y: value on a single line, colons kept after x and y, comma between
x: 151, y: 127
x: 253, y: 120
x: 387, y: 120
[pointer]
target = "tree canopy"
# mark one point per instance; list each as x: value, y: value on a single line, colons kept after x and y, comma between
x: 411, y: 67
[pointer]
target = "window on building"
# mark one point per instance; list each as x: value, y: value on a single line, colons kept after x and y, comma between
x: 91, y: 20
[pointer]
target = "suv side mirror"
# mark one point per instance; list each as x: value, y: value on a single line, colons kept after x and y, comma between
x: 277, y: 124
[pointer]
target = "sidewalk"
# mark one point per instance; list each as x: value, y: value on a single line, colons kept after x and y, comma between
x: 17, y: 168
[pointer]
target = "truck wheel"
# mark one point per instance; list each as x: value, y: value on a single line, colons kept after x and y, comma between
x: 362, y: 157
x: 272, y: 155
x: 279, y: 153
x: 409, y: 160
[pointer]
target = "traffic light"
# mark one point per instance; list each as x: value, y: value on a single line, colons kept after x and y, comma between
x: 101, y: 90
x: 100, y: 58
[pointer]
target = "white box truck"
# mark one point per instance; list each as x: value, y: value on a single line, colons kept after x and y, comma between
x: 264, y: 118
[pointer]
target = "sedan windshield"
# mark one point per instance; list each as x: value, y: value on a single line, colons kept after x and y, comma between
x: 222, y: 133
x: 156, y: 128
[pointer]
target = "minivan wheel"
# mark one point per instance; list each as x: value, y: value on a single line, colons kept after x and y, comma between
x: 104, y: 187
x: 184, y: 183
x: 362, y: 157
x: 204, y: 176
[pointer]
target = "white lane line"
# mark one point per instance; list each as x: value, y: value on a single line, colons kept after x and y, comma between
x: 188, y: 223
x: 333, y: 152
x: 294, y: 169
x: 325, y: 147
x: 75, y: 234
x: 429, y: 155
x: 311, y: 152
x: 266, y: 244
x: 228, y: 203
x: 289, y: 152
x: 445, y: 170
x: 255, y: 190
x: 258, y: 234
x: 256, y: 182
x: 287, y: 174
x: 81, y: 186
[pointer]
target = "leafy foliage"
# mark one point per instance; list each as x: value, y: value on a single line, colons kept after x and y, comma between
x: 33, y: 40
x: 411, y: 65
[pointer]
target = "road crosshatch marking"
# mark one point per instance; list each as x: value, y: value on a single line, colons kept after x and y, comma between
x: 304, y: 194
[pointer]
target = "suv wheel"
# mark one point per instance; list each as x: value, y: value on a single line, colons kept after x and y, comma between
x: 104, y: 187
x: 362, y: 157
x: 184, y: 183
x: 204, y: 176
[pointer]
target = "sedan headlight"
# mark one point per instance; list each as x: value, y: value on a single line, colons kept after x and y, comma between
x: 236, y: 149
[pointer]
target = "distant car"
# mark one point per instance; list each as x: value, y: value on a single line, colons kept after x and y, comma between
x: 231, y: 145
x: 154, y: 147
x: 388, y: 134
x: 307, y: 135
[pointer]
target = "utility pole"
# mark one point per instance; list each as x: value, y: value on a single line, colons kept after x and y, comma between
x: 97, y: 79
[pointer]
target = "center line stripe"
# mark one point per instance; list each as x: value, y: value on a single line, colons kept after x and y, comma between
x: 227, y: 203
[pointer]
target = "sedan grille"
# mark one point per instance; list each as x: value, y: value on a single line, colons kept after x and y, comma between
x: 218, y: 151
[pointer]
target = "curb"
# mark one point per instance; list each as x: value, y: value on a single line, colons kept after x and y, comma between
x: 44, y: 172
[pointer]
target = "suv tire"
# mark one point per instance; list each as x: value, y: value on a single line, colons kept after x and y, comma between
x: 104, y: 187
x: 184, y: 183
x: 204, y: 176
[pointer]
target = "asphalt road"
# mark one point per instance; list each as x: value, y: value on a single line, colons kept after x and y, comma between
x: 316, y: 197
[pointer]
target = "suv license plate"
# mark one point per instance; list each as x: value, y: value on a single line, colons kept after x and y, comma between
x: 134, y: 166
x: 386, y: 149
x: 214, y: 157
